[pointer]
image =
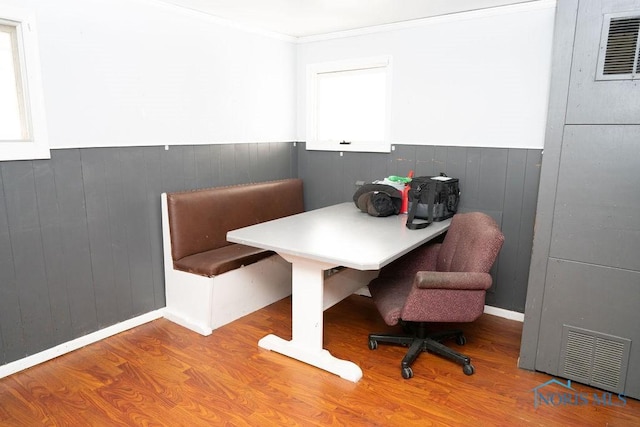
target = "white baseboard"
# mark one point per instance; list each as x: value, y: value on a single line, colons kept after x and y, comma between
x: 186, y: 323
x: 501, y: 312
x: 69, y: 346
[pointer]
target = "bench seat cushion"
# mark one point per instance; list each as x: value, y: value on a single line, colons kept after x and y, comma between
x: 220, y: 260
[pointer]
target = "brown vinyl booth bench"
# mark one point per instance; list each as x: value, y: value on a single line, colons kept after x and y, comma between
x: 209, y: 281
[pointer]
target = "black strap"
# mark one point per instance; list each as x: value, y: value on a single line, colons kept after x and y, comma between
x: 417, y: 194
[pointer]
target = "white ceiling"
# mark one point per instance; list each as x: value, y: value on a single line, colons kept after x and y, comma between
x: 300, y: 18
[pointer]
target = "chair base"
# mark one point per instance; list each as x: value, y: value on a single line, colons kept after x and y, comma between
x: 421, y: 341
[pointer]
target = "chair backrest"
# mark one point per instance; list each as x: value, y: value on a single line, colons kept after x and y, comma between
x: 471, y: 244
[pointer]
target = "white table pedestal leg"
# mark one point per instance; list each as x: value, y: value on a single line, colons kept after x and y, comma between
x: 307, y: 322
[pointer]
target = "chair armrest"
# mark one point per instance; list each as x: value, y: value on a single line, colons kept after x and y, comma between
x: 452, y: 280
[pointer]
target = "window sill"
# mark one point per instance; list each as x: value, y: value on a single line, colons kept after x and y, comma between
x: 356, y: 147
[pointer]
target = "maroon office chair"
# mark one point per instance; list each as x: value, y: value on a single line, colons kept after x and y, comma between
x: 438, y: 283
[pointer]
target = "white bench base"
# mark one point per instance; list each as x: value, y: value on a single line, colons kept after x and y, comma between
x: 203, y: 304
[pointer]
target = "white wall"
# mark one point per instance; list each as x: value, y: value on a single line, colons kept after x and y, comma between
x: 472, y: 79
x: 139, y: 72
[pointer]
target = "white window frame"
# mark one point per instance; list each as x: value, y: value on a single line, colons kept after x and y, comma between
x: 35, y: 144
x: 313, y: 71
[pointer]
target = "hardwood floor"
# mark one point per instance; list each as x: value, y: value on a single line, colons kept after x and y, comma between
x: 160, y: 374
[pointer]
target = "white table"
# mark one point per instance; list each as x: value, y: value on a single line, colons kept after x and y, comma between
x: 322, y: 239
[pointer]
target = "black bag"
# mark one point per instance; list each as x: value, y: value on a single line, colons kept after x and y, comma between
x: 378, y: 199
x: 433, y: 198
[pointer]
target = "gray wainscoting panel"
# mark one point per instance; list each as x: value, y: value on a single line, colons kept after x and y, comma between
x: 28, y: 264
x: 500, y: 182
x: 76, y: 256
x: 11, y: 339
x: 81, y: 233
x: 95, y: 176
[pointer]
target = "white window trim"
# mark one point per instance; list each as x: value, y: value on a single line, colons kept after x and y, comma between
x: 37, y: 146
x: 313, y: 70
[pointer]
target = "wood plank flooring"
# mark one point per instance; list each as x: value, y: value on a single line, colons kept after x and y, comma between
x: 160, y: 374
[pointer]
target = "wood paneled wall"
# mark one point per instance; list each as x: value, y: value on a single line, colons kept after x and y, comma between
x: 80, y: 234
x: 498, y: 181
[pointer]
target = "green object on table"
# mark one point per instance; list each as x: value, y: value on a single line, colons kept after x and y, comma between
x: 402, y: 179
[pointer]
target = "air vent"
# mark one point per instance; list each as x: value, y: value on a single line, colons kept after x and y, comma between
x: 619, y: 47
x: 607, y: 363
x: 594, y: 358
x: 577, y: 364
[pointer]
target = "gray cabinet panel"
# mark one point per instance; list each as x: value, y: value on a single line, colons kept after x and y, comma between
x: 592, y: 101
x: 595, y: 298
x: 584, y: 287
x: 598, y: 198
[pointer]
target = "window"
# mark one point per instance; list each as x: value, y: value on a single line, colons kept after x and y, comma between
x: 22, y: 123
x: 11, y: 101
x: 348, y: 105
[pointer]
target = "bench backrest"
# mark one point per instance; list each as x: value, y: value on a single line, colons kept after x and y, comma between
x: 199, y: 219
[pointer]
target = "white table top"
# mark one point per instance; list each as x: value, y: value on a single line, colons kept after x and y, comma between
x: 340, y: 235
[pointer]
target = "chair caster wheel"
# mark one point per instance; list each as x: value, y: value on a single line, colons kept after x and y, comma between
x: 468, y: 369
x: 461, y: 340
x: 373, y: 344
x: 407, y: 373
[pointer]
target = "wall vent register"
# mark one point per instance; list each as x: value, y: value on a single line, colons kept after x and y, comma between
x: 594, y: 358
x: 620, y: 47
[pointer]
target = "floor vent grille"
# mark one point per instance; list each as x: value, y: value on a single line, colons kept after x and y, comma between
x: 594, y: 358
